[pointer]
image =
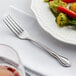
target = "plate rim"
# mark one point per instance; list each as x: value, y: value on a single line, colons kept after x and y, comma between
x: 46, y: 30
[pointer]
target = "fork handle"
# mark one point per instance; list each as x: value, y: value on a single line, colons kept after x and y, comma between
x: 62, y: 60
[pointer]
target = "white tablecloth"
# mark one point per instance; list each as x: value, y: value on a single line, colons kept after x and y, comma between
x: 28, y: 52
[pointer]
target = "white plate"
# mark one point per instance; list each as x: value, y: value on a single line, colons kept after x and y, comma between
x: 47, y: 22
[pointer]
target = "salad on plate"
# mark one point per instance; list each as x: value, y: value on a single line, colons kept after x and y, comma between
x: 64, y: 11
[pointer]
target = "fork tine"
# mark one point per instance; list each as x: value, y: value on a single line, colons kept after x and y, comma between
x: 5, y: 21
x: 8, y: 23
x: 15, y: 23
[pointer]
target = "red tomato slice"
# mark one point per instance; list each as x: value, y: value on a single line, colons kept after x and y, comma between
x: 69, y: 1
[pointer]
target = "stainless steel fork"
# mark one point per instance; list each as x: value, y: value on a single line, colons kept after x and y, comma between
x: 23, y: 35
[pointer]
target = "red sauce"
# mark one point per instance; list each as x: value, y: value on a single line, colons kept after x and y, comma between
x: 8, y: 71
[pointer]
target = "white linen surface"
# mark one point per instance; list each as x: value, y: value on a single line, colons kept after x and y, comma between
x: 32, y: 56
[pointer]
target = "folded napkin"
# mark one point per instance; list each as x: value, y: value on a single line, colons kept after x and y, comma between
x: 14, y: 12
x: 17, y: 14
